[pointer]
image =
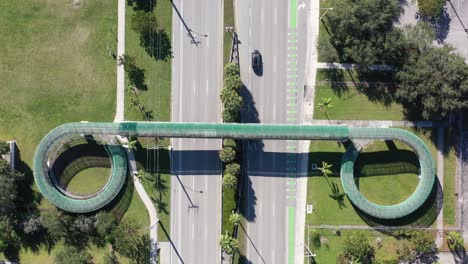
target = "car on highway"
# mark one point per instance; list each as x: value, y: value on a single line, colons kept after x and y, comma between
x: 257, y: 62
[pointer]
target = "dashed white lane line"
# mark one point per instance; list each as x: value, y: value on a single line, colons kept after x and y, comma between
x: 273, y: 208
x: 207, y: 86
x: 193, y: 231
x: 206, y: 232
x: 275, y: 16
x: 274, y: 63
x: 263, y: 16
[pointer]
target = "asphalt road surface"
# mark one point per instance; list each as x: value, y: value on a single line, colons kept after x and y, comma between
x: 457, y: 34
x: 195, y: 166
x: 277, y: 29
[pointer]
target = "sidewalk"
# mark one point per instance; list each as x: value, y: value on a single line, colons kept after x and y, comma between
x: 374, y: 123
x: 352, y: 66
x: 120, y: 99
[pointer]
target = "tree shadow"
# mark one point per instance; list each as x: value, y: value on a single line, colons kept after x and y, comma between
x: 249, y: 114
x: 145, y: 5
x: 157, y: 44
x: 122, y: 201
x: 440, y: 25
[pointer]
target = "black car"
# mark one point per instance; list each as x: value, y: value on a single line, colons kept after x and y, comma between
x: 257, y: 62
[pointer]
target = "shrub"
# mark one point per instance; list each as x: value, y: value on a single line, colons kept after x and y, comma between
x: 315, y: 238
x: 229, y: 181
x: 455, y: 241
x: 227, y: 154
x: 4, y: 147
x: 233, y: 169
x: 431, y: 8
x: 230, y: 143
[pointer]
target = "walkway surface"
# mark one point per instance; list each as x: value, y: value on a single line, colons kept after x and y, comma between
x: 352, y: 66
x: 148, y: 204
x: 120, y: 101
x: 440, y: 176
x: 374, y: 123
x: 464, y: 209
x: 313, y: 22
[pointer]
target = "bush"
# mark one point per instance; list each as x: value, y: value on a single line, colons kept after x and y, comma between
x: 315, y: 238
x: 4, y: 147
x: 455, y: 241
x: 230, y: 143
x: 227, y: 154
x: 231, y: 69
x: 229, y: 181
x: 233, y: 169
x: 431, y: 8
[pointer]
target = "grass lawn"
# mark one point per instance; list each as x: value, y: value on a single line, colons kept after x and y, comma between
x: 375, y: 184
x: 157, y: 98
x: 352, y: 104
x: 55, y: 67
x: 328, y: 253
x: 159, y: 186
x: 228, y: 21
x: 450, y: 166
x: 89, y: 181
x: 229, y: 204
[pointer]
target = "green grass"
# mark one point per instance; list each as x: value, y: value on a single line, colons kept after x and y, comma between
x: 157, y: 72
x: 228, y: 21
x: 450, y: 166
x: 229, y: 204
x: 55, y: 67
x: 327, y: 254
x: 385, y: 189
x: 89, y: 181
x: 352, y: 104
x: 159, y: 188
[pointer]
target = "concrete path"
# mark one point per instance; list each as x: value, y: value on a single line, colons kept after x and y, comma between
x: 375, y: 123
x: 148, y: 204
x: 119, y: 113
x: 440, y: 176
x: 352, y: 66
x: 464, y: 165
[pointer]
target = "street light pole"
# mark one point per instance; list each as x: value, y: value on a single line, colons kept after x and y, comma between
x: 327, y: 9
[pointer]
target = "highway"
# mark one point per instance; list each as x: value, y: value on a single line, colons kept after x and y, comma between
x: 278, y: 29
x: 195, y: 167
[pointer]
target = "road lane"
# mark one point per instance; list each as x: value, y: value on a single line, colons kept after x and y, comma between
x: 196, y: 179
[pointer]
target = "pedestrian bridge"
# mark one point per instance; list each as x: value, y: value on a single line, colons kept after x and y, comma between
x: 59, y: 136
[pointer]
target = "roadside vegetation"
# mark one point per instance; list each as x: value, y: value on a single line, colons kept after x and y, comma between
x: 148, y: 45
x: 230, y: 155
x: 369, y: 246
x: 430, y: 82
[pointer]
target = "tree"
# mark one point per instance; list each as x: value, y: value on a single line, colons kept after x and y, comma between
x: 228, y: 142
x: 357, y: 248
x: 433, y: 84
x: 4, y: 147
x: 132, y: 144
x: 325, y: 105
x: 228, y: 244
x: 229, y: 181
x: 230, y: 116
x: 235, y: 218
x: 136, y: 75
x: 455, y: 241
x: 110, y: 258
x: 3, y: 245
x: 32, y: 225
x: 431, y: 8
x: 9, y: 193
x: 233, y: 83
x: 153, y: 39
x: 231, y: 69
x: 232, y: 101
x: 326, y: 170
x: 418, y: 37
x: 405, y: 254
x: 71, y: 255
x: 423, y: 243
x: 227, y: 154
x: 53, y: 222
x: 363, y: 32
x: 233, y: 169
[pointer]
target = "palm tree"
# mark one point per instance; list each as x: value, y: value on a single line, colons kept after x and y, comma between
x: 145, y: 176
x: 455, y: 241
x: 132, y: 145
x: 235, y: 218
x: 228, y: 243
x: 325, y: 105
x: 326, y: 170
